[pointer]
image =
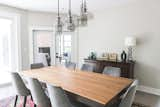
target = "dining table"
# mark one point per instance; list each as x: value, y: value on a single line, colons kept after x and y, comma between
x: 100, y: 88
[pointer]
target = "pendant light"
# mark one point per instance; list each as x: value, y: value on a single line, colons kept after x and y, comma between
x: 70, y: 24
x: 59, y: 25
x: 84, y: 14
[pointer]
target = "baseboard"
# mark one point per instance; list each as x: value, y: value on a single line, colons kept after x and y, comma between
x: 5, y: 85
x: 149, y: 90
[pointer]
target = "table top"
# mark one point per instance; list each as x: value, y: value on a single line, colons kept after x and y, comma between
x: 94, y: 86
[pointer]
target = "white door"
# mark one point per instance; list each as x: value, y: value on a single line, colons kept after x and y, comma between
x: 9, y: 55
x: 66, y: 47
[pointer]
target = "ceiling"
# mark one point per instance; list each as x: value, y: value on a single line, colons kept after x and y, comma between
x: 51, y: 5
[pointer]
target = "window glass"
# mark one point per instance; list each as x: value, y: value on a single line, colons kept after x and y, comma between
x: 5, y: 50
x: 67, y: 44
x: 5, y: 58
x: 67, y: 38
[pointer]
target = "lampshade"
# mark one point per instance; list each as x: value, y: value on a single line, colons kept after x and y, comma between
x: 130, y: 41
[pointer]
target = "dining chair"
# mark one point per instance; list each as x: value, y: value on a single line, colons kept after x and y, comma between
x: 128, y: 98
x: 38, y: 93
x: 112, y: 71
x: 88, y: 67
x: 20, y: 88
x: 70, y: 65
x: 37, y: 65
x: 41, y: 58
x: 59, y: 98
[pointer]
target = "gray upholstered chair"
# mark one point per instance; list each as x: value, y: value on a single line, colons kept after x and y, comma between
x: 20, y: 88
x: 37, y: 65
x: 128, y: 97
x: 88, y: 67
x: 112, y: 71
x: 38, y: 93
x: 59, y: 98
x: 70, y: 65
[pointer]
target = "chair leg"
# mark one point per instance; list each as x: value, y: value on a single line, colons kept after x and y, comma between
x: 25, y: 99
x: 31, y: 98
x: 16, y: 101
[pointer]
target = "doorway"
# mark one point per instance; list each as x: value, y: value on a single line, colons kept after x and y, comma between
x: 42, y: 46
x: 56, y: 49
x: 66, y: 47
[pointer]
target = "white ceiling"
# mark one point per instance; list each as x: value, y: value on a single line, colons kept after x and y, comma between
x: 51, y: 5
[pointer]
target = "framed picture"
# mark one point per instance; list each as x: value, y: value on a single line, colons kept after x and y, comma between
x: 113, y: 56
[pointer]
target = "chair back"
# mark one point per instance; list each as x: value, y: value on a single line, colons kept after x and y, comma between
x: 38, y: 94
x: 37, y: 65
x: 112, y: 71
x: 41, y: 58
x: 18, y: 84
x: 58, y: 97
x: 70, y: 65
x: 128, y: 97
x: 88, y: 67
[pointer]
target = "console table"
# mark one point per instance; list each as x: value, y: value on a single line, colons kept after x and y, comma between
x: 127, y: 68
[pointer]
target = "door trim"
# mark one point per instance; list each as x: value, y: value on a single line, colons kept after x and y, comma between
x: 16, y: 20
x: 41, y: 28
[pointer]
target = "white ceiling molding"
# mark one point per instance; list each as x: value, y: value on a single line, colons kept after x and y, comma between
x: 51, y: 5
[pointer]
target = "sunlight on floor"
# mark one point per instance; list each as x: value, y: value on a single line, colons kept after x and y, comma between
x: 4, y: 77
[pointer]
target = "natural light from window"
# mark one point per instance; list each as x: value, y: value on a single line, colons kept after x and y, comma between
x: 5, y: 50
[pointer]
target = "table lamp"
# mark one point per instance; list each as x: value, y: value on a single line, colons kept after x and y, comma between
x: 130, y: 42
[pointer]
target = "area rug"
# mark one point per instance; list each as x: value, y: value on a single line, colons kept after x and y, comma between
x: 9, y: 102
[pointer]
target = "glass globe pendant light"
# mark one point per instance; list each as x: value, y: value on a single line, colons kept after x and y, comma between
x: 84, y: 14
x: 59, y: 25
x: 70, y: 25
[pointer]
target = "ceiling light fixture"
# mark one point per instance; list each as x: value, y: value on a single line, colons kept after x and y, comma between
x: 59, y: 25
x: 84, y: 14
x: 70, y: 25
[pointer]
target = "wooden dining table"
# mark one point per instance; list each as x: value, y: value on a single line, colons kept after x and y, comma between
x: 97, y: 87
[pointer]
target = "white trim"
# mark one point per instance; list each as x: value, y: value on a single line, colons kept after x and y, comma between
x: 18, y: 29
x: 41, y: 28
x: 16, y: 18
x: 149, y: 90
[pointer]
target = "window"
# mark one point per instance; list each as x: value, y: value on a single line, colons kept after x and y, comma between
x: 9, y: 59
x: 67, y: 44
x: 5, y: 53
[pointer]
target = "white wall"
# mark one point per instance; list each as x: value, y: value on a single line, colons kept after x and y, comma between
x: 23, y: 32
x: 106, y: 33
x: 41, y: 19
